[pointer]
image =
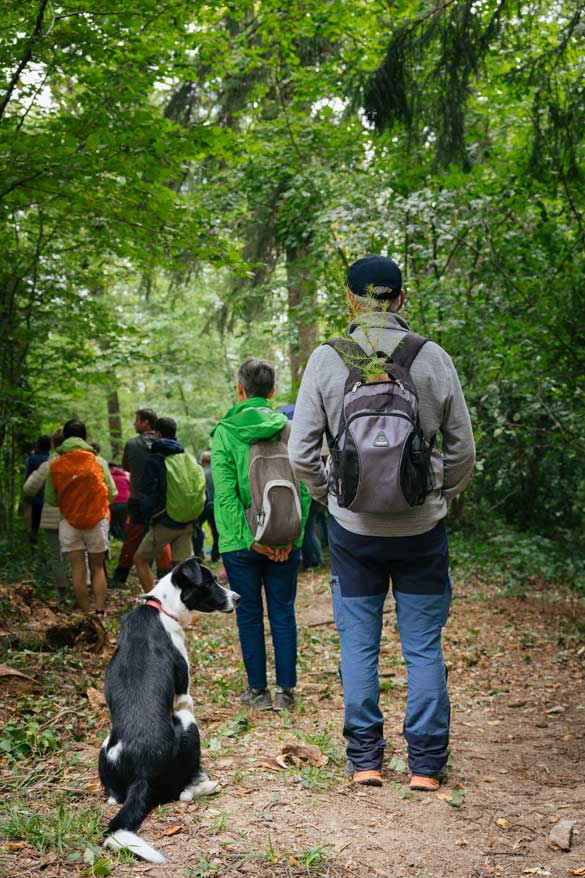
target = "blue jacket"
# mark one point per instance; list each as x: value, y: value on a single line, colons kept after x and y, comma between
x: 153, y: 484
x: 33, y: 463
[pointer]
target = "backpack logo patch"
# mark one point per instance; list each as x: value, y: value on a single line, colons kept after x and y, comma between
x: 381, y: 440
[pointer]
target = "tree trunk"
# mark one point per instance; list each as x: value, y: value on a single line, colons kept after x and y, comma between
x: 115, y: 425
x: 302, y: 301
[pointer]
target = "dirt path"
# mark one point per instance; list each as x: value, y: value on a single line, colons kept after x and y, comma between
x: 518, y: 747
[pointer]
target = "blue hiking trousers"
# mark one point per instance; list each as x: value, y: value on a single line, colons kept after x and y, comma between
x: 251, y: 574
x: 418, y: 567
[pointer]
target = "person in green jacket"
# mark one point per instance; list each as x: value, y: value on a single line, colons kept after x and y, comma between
x: 251, y: 565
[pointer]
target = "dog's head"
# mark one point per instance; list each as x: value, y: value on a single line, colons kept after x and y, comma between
x: 200, y: 590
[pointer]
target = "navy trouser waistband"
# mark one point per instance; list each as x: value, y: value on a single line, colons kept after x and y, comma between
x: 417, y: 564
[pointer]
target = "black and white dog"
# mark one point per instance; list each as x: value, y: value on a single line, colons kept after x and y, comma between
x: 152, y: 754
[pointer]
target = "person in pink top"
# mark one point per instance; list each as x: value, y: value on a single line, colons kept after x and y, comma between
x: 119, y: 508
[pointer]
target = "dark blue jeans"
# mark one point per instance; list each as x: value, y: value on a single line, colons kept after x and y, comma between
x: 418, y: 567
x: 247, y: 572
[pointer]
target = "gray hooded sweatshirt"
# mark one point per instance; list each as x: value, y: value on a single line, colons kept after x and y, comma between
x: 442, y: 410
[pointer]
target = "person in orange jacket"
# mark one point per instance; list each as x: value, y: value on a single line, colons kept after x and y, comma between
x: 80, y: 484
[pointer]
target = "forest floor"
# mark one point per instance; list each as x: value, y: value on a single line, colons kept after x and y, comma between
x: 516, y: 673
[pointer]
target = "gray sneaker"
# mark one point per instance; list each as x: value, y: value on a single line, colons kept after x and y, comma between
x: 284, y: 698
x: 259, y: 699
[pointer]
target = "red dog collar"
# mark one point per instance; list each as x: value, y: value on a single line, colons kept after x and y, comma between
x: 152, y: 602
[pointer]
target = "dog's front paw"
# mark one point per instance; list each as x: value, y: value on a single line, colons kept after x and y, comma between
x: 203, y: 787
x: 206, y: 788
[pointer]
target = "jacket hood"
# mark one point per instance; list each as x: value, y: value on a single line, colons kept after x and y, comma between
x: 379, y: 320
x: 74, y: 444
x: 166, y: 447
x: 252, y: 421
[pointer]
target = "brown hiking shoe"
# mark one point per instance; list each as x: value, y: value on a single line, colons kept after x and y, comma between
x: 424, y: 784
x: 370, y: 778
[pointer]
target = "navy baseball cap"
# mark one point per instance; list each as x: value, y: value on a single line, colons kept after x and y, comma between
x: 376, y: 274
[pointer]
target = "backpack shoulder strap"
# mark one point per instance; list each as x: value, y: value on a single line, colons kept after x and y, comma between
x: 285, y: 433
x: 405, y: 353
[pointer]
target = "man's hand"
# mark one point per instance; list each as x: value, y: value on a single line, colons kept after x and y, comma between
x: 282, y: 553
x: 264, y: 550
x: 275, y: 554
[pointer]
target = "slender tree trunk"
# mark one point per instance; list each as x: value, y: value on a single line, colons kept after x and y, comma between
x: 115, y: 424
x: 302, y: 301
x: 26, y: 57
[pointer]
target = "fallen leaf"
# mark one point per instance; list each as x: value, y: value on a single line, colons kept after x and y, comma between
x: 96, y: 698
x: 7, y: 671
x: 457, y: 797
x: 454, y: 798
x: 94, y: 785
x: 13, y: 681
x: 503, y: 823
x: 397, y: 764
x: 19, y: 845
x: 296, y: 756
x: 172, y: 829
x: 270, y: 763
x: 488, y: 779
x: 579, y: 871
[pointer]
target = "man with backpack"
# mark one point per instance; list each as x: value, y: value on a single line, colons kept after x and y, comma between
x: 381, y: 397
x: 80, y: 484
x: 260, y: 510
x: 173, y: 497
x: 136, y: 453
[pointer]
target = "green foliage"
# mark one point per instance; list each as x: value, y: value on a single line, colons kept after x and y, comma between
x: 63, y: 829
x: 185, y: 185
x: 205, y: 869
x: 514, y: 559
x: 19, y: 740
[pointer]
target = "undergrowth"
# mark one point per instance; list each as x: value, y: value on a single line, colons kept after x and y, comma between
x: 512, y: 559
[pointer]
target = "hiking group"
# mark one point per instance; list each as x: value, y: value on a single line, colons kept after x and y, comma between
x: 399, y: 447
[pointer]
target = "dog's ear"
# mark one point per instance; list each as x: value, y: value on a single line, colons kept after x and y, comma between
x: 207, y: 574
x: 187, y: 574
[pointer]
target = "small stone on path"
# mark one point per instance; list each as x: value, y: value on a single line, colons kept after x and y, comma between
x: 561, y: 834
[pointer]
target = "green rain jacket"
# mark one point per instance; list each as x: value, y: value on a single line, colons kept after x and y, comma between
x: 245, y: 423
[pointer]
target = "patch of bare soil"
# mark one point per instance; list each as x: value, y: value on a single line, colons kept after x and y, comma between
x: 516, y: 672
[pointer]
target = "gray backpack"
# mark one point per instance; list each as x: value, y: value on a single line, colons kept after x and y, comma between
x: 380, y: 459
x: 275, y: 513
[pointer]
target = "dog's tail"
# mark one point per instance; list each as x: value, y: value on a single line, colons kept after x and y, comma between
x: 129, y: 817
